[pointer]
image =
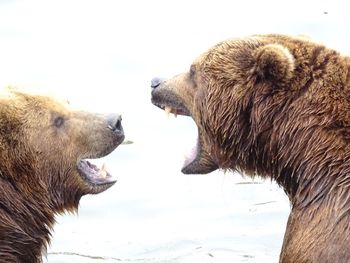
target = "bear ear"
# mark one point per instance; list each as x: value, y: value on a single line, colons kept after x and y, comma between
x: 274, y: 62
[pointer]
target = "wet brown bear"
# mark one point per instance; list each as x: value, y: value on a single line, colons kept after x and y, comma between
x: 277, y: 107
x: 43, y: 171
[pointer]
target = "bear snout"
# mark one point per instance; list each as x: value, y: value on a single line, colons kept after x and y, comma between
x: 115, y: 122
x: 155, y: 82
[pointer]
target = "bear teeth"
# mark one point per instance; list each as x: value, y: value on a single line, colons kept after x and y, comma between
x: 167, y: 110
x: 103, y: 172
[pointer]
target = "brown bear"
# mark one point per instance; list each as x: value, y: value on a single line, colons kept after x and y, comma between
x: 278, y: 107
x: 44, y: 146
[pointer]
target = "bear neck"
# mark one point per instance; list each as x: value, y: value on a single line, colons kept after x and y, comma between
x: 26, y: 219
x: 318, y: 186
x: 312, y: 165
x: 308, y: 156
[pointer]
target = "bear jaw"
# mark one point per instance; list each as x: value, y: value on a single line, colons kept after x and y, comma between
x: 198, y: 161
x: 97, y: 179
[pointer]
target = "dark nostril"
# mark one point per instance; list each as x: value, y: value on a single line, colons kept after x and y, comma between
x: 115, y: 122
x: 118, y: 125
x: 155, y: 82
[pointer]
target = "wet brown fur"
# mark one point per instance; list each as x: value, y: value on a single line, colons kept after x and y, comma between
x: 279, y: 107
x: 38, y: 176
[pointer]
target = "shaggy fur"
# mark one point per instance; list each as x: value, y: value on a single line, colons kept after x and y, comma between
x: 41, y: 143
x: 278, y: 107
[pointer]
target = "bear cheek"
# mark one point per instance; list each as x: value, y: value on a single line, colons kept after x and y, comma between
x: 183, y: 87
x: 202, y: 120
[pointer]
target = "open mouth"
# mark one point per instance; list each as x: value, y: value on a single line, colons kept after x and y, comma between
x: 175, y: 107
x: 193, y: 154
x: 97, y: 179
x: 197, y: 161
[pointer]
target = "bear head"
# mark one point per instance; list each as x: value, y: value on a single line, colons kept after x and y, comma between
x: 257, y: 102
x: 45, y: 147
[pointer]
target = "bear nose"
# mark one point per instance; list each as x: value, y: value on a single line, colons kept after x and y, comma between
x: 115, y: 122
x: 155, y: 82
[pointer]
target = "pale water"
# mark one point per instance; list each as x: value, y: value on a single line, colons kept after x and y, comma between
x: 156, y: 214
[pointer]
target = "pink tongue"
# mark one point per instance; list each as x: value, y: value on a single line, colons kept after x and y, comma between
x: 191, y: 156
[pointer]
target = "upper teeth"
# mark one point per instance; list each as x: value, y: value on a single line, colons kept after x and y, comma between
x: 103, y: 172
x: 168, y: 110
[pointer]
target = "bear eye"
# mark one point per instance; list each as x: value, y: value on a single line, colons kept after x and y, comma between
x: 59, y: 121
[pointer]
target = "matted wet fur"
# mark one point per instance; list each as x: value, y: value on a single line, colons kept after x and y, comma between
x: 42, y: 168
x: 278, y: 107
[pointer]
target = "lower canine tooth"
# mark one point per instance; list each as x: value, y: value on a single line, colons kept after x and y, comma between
x: 103, y: 173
